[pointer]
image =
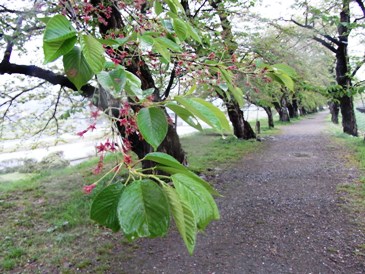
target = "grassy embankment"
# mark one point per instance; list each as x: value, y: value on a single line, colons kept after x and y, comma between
x: 355, y: 191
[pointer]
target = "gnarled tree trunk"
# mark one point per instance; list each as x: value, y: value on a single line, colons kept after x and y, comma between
x: 270, y: 119
x: 334, y: 110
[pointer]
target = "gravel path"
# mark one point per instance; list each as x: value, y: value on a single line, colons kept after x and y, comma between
x: 280, y: 214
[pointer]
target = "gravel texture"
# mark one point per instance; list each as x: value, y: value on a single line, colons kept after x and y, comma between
x: 281, y: 213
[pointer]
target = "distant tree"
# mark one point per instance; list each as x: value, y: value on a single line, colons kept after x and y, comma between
x: 331, y: 25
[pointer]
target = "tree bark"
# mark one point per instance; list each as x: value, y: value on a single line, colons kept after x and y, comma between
x: 241, y: 128
x: 348, y: 115
x: 334, y: 110
x: 270, y: 119
x: 282, y: 111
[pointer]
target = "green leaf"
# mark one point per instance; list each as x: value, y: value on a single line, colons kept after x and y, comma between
x: 158, y: 7
x: 237, y: 92
x: 143, y: 210
x: 200, y: 200
x: 171, y: 5
x: 44, y: 20
x: 108, y: 42
x: 184, y: 114
x: 282, y: 79
x: 285, y: 69
x: 152, y: 124
x: 194, y: 33
x: 173, y: 170
x: 113, y: 81
x: 167, y: 43
x: 53, y: 50
x: 238, y: 95
x: 205, y: 111
x: 180, y: 28
x: 161, y: 49
x: 164, y: 159
x: 135, y: 92
x: 168, y: 25
x: 76, y: 68
x: 146, y: 41
x: 133, y: 79
x: 104, y: 207
x: 183, y: 216
x: 58, y: 29
x: 93, y: 52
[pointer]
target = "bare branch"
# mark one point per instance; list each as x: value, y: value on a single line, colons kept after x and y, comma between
x: 328, y: 37
x: 53, y: 116
x: 4, y: 9
x: 198, y: 10
x: 325, y: 43
x: 12, y: 99
x: 171, y: 81
x: 361, y: 5
x: 9, y: 47
x: 358, y: 67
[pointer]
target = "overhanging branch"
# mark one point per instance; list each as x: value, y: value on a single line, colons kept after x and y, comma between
x: 328, y: 37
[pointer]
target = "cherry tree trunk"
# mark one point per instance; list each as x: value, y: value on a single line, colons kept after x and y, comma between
x: 270, y: 119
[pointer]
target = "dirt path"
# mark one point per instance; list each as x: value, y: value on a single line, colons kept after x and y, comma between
x: 280, y: 214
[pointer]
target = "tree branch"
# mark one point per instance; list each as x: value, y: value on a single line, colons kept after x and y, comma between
x: 12, y: 99
x: 357, y: 68
x: 198, y: 10
x: 328, y: 37
x: 361, y: 5
x: 53, y: 116
x: 325, y: 43
x: 49, y: 76
x: 171, y: 82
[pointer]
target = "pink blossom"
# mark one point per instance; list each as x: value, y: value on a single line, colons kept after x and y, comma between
x: 89, y: 188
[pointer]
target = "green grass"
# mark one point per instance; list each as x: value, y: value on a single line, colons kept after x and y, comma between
x: 356, y: 158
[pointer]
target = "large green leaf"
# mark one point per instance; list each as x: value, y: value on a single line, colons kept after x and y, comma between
x: 205, y: 111
x: 282, y: 79
x: 93, y: 52
x: 104, y: 207
x: 184, y: 114
x: 133, y: 79
x: 53, y: 50
x: 113, y: 81
x: 180, y: 28
x: 200, y: 200
x: 168, y: 44
x: 236, y: 92
x: 158, y: 7
x: 183, y: 216
x: 76, y: 68
x: 285, y: 69
x: 58, y: 29
x: 152, y: 124
x: 172, y: 6
x: 143, y: 210
x: 194, y: 33
x: 165, y: 53
x: 164, y: 159
x: 174, y: 170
